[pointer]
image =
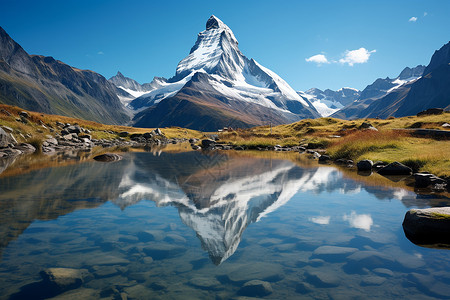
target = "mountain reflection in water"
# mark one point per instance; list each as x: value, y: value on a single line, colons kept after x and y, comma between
x: 216, y: 195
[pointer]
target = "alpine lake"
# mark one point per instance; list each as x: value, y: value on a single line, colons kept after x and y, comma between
x: 178, y: 224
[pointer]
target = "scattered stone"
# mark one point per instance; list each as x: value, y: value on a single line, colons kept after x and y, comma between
x: 383, y: 272
x: 108, y: 157
x: 367, y: 126
x: 157, y: 131
x: 262, y: 271
x: 395, y: 168
x: 333, y: 252
x: 431, y: 111
x: 7, y: 129
x: 63, y: 279
x: 105, y: 271
x: 364, y: 165
x: 423, y: 180
x: 324, y: 158
x: 367, y: 259
x: 5, y: 138
x: 208, y: 144
x: 25, y: 148
x: 322, y: 279
x: 5, y: 112
x: 372, y: 280
x: 150, y: 235
x: 430, y: 226
x: 256, y: 288
x: 24, y: 114
x: 124, y: 134
x: 206, y: 283
x: 446, y: 125
x: 163, y: 250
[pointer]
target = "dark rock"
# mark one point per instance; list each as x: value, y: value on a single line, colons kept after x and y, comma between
x: 367, y: 126
x: 24, y: 114
x: 256, y: 288
x: 73, y: 129
x: 431, y: 111
x: 423, y: 180
x: 430, y: 226
x: 157, y: 131
x: 108, y: 157
x: 395, y: 168
x: 5, y: 112
x: 379, y: 165
x: 124, y: 134
x: 324, y: 158
x: 148, y: 135
x: 208, y: 144
x: 364, y: 165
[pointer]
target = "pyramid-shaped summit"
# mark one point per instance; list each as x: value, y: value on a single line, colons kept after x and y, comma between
x: 217, y: 86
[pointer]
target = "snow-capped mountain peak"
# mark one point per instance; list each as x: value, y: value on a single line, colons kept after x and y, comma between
x: 235, y: 85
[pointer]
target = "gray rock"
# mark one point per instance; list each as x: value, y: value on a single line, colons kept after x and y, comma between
x: 372, y: 280
x: 105, y: 271
x: 367, y: 126
x: 52, y: 141
x: 333, y: 252
x: 64, y: 278
x: 73, y: 129
x: 364, y: 165
x: 430, y: 285
x: 428, y: 226
x: 206, y: 283
x: 208, y: 144
x: 108, y: 157
x: 395, y: 168
x: 446, y: 125
x: 163, y: 250
x: 7, y: 129
x: 150, y: 235
x: 157, y: 131
x: 262, y: 271
x: 383, y: 272
x: 368, y: 259
x: 25, y: 148
x: 5, y: 138
x: 256, y: 288
x: 321, y: 279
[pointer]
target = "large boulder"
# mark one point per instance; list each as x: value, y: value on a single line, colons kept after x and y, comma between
x: 395, y: 168
x: 429, y: 226
x: 423, y: 180
x: 364, y: 165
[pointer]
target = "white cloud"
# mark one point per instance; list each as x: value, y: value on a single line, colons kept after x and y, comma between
x: 362, y: 221
x: 413, y: 19
x: 358, y: 56
x: 100, y: 53
x: 425, y: 14
x: 322, y: 220
x: 318, y: 59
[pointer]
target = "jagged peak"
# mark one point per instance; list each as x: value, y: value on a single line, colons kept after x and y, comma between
x: 214, y: 22
x: 119, y: 74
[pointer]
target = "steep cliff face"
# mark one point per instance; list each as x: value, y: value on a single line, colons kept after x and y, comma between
x: 47, y: 85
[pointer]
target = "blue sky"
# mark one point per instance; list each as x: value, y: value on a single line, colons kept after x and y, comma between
x: 144, y: 39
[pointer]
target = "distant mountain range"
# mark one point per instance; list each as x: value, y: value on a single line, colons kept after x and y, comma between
x: 47, y: 85
x: 215, y: 86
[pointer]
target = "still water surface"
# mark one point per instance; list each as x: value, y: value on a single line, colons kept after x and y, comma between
x: 194, y: 226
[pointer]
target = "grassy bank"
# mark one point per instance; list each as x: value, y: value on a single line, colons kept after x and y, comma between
x: 39, y: 125
x: 344, y: 139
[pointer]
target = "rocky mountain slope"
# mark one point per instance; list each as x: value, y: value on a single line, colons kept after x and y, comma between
x: 328, y: 101
x: 217, y: 86
x: 44, y: 84
x: 413, y: 91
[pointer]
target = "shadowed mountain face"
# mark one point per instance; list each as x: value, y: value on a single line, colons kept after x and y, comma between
x: 216, y: 86
x: 216, y: 195
x: 47, y: 85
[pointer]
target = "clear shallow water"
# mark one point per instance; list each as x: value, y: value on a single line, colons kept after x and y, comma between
x: 193, y: 226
